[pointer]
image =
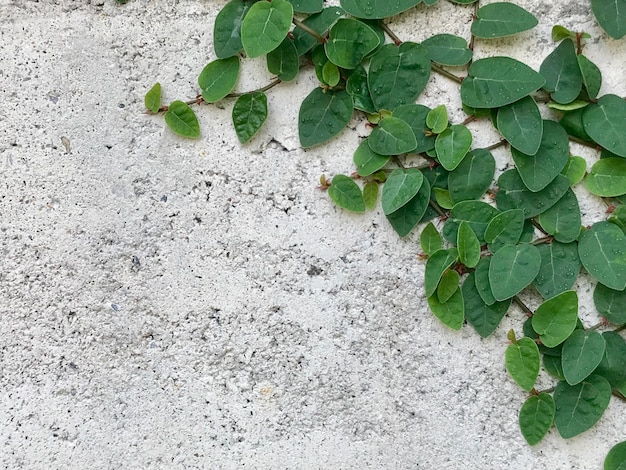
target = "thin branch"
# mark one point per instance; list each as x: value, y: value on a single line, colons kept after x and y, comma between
x: 619, y: 395
x: 445, y: 73
x: 473, y: 38
x: 308, y: 30
x: 592, y: 145
x: 391, y: 34
x: 496, y: 145
x: 523, y: 306
x: 437, y: 208
x: 539, y: 227
x: 541, y: 241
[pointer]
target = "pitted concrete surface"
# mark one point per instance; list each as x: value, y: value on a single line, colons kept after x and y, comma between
x: 177, y: 304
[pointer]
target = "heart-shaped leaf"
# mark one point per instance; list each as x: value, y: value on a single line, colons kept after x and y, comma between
x: 436, y: 265
x: 152, y: 99
x: 512, y: 268
x: 323, y: 115
x: 607, y: 177
x: 605, y: 123
x: 536, y: 417
x: 560, y: 265
x: 400, y: 187
x: 501, y: 19
x: 349, y: 42
x: 592, y: 77
x: 448, y: 285
x: 610, y: 303
x: 575, y: 169
x: 477, y: 213
x: 415, y: 116
x: 450, y: 313
x: 447, y: 49
x: 437, y: 119
x: 367, y: 161
x: 452, y: 145
x: 430, y: 240
x: 218, y: 78
x: 346, y: 194
x: 556, y: 318
x: 602, y: 251
x: 265, y: 26
x: 521, y: 125
x: 563, y: 219
x: 581, y: 354
x: 481, y: 280
x: 359, y: 90
x: 505, y: 229
x: 249, y: 114
x: 284, y: 61
x: 227, y: 28
x: 513, y: 194
x: 409, y: 215
x: 484, y: 318
x: 392, y: 136
x: 473, y: 176
x: 468, y: 245
x: 522, y: 362
x: 181, y: 119
x: 562, y: 73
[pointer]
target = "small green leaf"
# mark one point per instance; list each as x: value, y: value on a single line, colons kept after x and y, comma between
x: 571, y: 106
x: 448, y: 285
x: 607, y: 177
x: 376, y: 9
x: 450, y: 313
x: 284, y: 61
x: 153, y: 98
x: 592, y: 77
x: 452, y: 145
x: 370, y: 194
x: 468, y: 245
x: 505, y: 229
x: 484, y: 318
x: 400, y: 188
x: 443, y: 199
x: 436, y: 265
x: 477, y: 213
x: 561, y: 32
x: 346, y: 194
x: 409, y: 215
x: 512, y: 268
x: 556, y: 318
x: 616, y: 458
x: 218, y: 78
x: 307, y: 6
x: 227, y: 28
x: 605, y: 123
x: 575, y: 169
x: 430, y: 240
x: 497, y: 81
x: 249, y: 114
x: 181, y: 119
x: 582, y: 352
x: 501, y: 19
x: 320, y: 23
x: 392, y: 136
x: 603, y: 254
x: 349, y: 42
x: 265, y: 26
x: 613, y: 364
x: 323, y: 115
x: 618, y: 217
x: 563, y: 219
x: 536, y: 417
x: 330, y: 74
x: 513, y: 194
x: 415, y: 116
x: 367, y: 161
x: 579, y: 407
x: 437, y: 119
x: 522, y: 362
x: 473, y: 176
x: 610, y: 303
x: 611, y: 15
x: 481, y: 281
x: 521, y: 125
x: 560, y: 265
x: 562, y: 73
x: 447, y: 49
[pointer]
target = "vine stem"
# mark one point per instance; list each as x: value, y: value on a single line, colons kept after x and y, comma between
x: 583, y: 142
x: 308, y: 30
x: 523, y: 306
x: 390, y: 33
x: 539, y: 227
x: 470, y: 46
x: 496, y: 145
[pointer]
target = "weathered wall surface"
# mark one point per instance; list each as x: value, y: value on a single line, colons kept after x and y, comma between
x: 200, y: 304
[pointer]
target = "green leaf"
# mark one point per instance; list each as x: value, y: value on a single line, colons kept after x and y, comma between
x: 346, y: 194
x: 561, y: 32
x: 330, y: 74
x: 616, y: 458
x: 536, y: 417
x: 284, y: 61
x: 521, y: 125
x: 349, y: 42
x: 265, y: 26
x: 562, y: 73
x: 447, y: 49
x: 152, y: 100
x: 468, y: 245
x: 553, y: 366
x: 307, y: 6
x: 320, y: 23
x: 610, y: 303
x: 512, y: 268
x: 398, y: 74
x: 579, y: 407
x: 249, y: 114
x: 592, y: 77
x: 400, y: 188
x: 227, y: 28
x: 613, y: 364
x: 370, y: 194
x: 409, y: 215
x: 448, y: 285
x: 522, y: 362
x: 501, y: 19
x: 181, y: 119
x: 484, y: 318
x: 430, y: 240
x: 367, y: 161
x: 602, y: 253
x: 611, y: 15
x: 436, y: 265
x: 450, y: 313
x: 437, y: 119
x: 477, y: 213
x: 452, y: 145
x: 559, y: 269
x: 607, y: 177
x: 415, y: 116
x: 582, y: 352
x: 556, y: 318
x: 605, y: 123
x: 392, y: 136
x: 357, y: 87
x: 473, y: 176
x: 571, y: 106
x: 376, y: 9
x: 563, y: 219
x: 497, y: 81
x: 323, y: 115
x: 539, y: 170
x: 513, y: 194
x: 218, y: 78
x: 481, y: 281
x: 442, y: 197
x: 618, y: 217
x: 575, y: 169
x: 505, y: 229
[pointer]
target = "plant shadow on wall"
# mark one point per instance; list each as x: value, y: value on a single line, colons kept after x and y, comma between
x: 495, y: 240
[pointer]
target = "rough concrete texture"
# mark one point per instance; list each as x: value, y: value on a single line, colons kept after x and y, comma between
x: 176, y: 304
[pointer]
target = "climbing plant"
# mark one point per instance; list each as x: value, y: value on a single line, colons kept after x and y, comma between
x: 485, y: 239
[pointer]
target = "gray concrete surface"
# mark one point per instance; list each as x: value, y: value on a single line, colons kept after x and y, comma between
x: 176, y: 304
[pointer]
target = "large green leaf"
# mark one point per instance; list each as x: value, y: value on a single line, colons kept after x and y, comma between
x: 602, y: 251
x: 579, y: 407
x: 512, y: 268
x: 605, y: 123
x: 616, y: 458
x: 376, y: 9
x: 367, y: 161
x: 401, y: 186
x: 484, y: 318
x: 320, y: 23
x: 520, y: 123
x: 501, y: 19
x: 607, y: 177
x: 227, y: 28
x: 505, y: 229
x: 556, y: 318
x: 513, y: 194
x: 613, y: 365
x: 447, y: 49
x: 473, y: 176
x: 398, y: 74
x: 610, y: 303
x: 307, y: 6
x: 392, y: 136
x: 323, y: 115
x: 181, y: 119
x: 563, y: 219
x: 581, y: 354
x: 218, y: 78
x: 346, y: 194
x: 452, y: 145
x: 415, y: 116
x: 477, y: 213
x: 562, y: 73
x: 404, y: 219
x: 497, y: 81
x: 284, y: 61
x: 450, y: 313
x: 349, y: 42
x: 265, y: 26
x: 536, y: 417
x: 611, y: 14
x: 436, y: 265
x: 249, y: 114
x: 522, y: 362
x: 560, y: 265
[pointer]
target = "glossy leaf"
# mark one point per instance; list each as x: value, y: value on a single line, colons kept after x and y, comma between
x: 572, y: 122
x: 349, y: 42
x: 448, y: 285
x: 320, y: 23
x: 616, y: 458
x: 218, y: 78
x: 181, y: 119
x: 430, y: 240
x: 443, y: 199
x: 579, y: 407
x: 152, y: 100
x: 477, y: 213
x: 581, y: 354
x: 409, y: 215
x: 562, y: 73
x: 367, y: 161
x: 323, y: 115
x: 452, y: 145
x: 575, y: 169
x: 522, y: 362
x: 602, y: 251
x: 265, y: 26
x: 505, y: 229
x: 512, y: 268
x: 610, y: 303
x: 607, y: 177
x: 513, y: 194
x: 437, y: 119
x: 400, y: 188
x: 436, y: 265
x: 521, y: 125
x: 249, y: 114
x: 415, y: 116
x: 613, y: 364
x: 398, y: 74
x: 536, y: 417
x: 611, y: 15
x: 307, y: 6
x: 284, y: 61
x: 468, y: 245
x: 392, y: 136
x: 473, y: 176
x: 592, y: 77
x: 483, y: 318
x: 501, y: 19
x: 370, y: 194
x: 376, y: 9
x: 563, y: 219
x: 330, y: 74
x: 481, y: 280
x: 556, y: 318
x: 560, y: 265
x: 497, y: 81
x: 227, y: 28
x: 447, y: 49
x: 346, y: 194
x: 553, y: 366
x: 450, y: 313
x: 357, y: 87
x: 605, y: 123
